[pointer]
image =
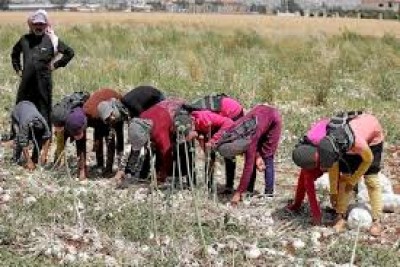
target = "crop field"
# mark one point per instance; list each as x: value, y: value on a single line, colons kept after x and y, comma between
x: 307, y: 67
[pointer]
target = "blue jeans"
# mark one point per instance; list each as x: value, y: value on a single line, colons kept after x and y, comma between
x: 269, y: 176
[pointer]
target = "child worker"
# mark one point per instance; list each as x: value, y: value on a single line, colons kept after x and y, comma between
x: 304, y: 155
x: 261, y: 130
x: 29, y: 125
x: 351, y: 151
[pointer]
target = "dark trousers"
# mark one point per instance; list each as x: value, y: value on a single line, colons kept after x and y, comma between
x: 35, y: 136
x: 36, y: 86
x: 269, y: 176
x: 114, y: 141
x: 230, y: 168
x: 138, y: 166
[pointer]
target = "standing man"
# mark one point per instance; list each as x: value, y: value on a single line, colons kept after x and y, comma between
x: 39, y: 49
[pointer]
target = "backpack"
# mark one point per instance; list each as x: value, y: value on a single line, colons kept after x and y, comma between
x: 241, y: 132
x: 339, y: 129
x: 63, y: 108
x: 210, y: 102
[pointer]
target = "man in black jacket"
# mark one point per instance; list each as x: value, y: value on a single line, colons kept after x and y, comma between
x: 39, y: 49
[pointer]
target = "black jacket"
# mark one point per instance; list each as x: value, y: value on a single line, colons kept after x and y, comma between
x: 38, y: 51
x: 141, y: 98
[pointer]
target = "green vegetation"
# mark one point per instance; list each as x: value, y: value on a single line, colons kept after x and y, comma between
x: 322, y: 75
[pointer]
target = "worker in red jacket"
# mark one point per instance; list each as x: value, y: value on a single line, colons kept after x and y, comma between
x: 162, y: 133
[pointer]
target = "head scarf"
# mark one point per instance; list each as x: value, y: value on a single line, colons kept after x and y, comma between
x: 41, y: 13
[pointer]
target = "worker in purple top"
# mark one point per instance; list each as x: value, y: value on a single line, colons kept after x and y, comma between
x: 259, y: 148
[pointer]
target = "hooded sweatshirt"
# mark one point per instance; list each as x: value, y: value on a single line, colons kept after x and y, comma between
x: 210, y: 124
x: 28, y: 118
x: 264, y: 142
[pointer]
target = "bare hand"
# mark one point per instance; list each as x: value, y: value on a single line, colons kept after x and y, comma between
x: 30, y: 165
x: 210, y: 145
x: 191, y: 136
x: 119, y: 176
x: 260, y: 164
x: 235, y: 199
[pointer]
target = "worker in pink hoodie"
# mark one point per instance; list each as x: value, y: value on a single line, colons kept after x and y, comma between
x: 221, y: 104
x: 209, y: 127
x: 227, y: 107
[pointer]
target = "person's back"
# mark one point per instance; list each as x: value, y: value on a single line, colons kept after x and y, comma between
x: 211, y: 125
x: 231, y: 108
x: 367, y: 132
x: 161, y: 114
x: 26, y: 116
x: 25, y: 112
x: 220, y: 104
x: 141, y: 98
x: 62, y: 108
x: 103, y: 94
x: 267, y: 118
x: 29, y: 124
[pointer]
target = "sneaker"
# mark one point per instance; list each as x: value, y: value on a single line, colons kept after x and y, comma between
x: 375, y: 229
x: 269, y: 192
x: 340, y: 225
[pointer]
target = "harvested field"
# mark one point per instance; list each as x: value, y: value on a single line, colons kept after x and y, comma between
x: 308, y: 67
x: 264, y: 25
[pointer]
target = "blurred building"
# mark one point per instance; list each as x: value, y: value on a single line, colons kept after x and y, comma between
x: 303, y: 7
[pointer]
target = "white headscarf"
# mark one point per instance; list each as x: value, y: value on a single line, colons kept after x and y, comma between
x: 49, y: 30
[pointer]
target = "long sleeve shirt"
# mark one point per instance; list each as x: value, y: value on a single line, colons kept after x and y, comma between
x: 209, y: 123
x: 27, y: 118
x: 264, y: 142
x: 38, y: 52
